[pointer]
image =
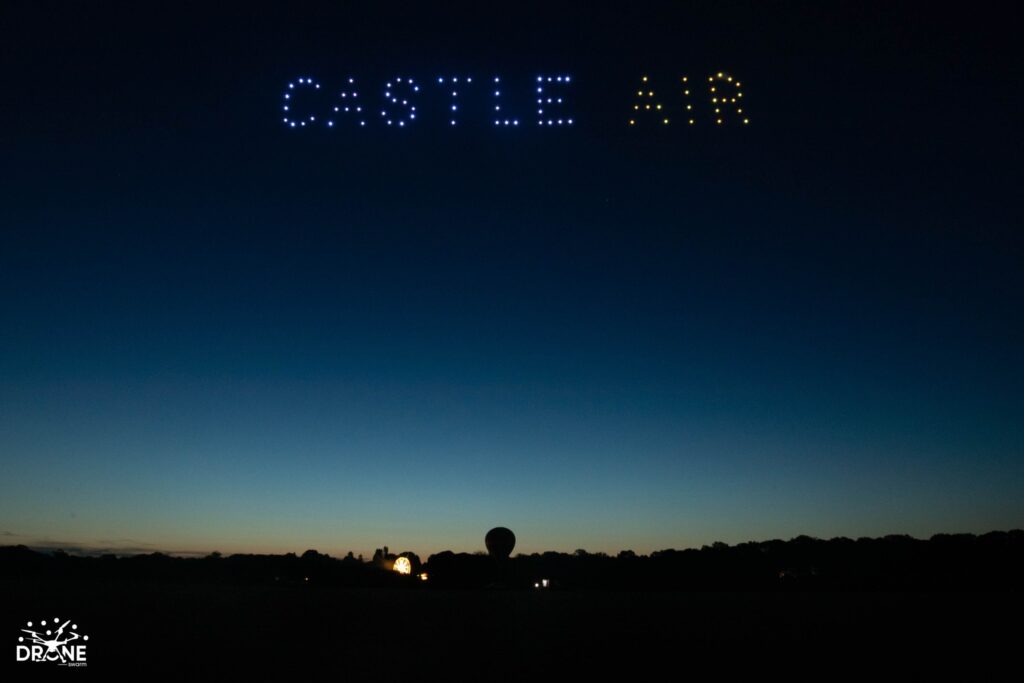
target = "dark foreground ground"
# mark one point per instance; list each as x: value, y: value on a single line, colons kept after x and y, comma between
x: 186, y: 631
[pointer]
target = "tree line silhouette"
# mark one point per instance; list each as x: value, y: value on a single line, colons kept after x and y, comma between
x: 993, y: 560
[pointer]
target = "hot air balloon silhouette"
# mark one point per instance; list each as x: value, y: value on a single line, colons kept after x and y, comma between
x: 499, y: 542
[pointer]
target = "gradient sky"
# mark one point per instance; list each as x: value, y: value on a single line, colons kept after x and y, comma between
x: 220, y: 334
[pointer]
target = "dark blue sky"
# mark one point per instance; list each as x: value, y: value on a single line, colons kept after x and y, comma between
x: 218, y: 333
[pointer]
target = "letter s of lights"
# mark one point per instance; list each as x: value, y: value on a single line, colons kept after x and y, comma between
x: 397, y: 110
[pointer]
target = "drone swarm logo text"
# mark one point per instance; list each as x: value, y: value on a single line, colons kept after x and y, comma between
x: 53, y: 644
x: 453, y: 101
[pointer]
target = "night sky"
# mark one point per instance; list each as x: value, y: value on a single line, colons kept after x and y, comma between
x: 218, y: 333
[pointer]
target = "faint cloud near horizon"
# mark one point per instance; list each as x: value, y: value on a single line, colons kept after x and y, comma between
x: 121, y: 546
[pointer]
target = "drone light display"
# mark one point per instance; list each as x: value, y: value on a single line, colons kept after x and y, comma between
x: 455, y: 100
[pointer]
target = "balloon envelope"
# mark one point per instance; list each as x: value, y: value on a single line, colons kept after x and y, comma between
x: 499, y: 542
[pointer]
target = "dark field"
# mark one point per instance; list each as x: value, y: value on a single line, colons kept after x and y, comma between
x: 194, y: 631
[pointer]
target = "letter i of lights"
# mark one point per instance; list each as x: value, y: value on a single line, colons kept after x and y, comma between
x: 645, y: 105
x: 546, y: 101
x: 290, y: 119
x: 686, y: 94
x: 395, y: 100
x: 725, y: 96
x: 349, y: 105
